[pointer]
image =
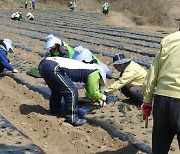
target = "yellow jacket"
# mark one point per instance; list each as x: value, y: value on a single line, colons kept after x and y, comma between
x: 133, y: 75
x: 163, y: 77
x: 30, y: 16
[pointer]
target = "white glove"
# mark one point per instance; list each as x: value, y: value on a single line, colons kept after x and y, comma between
x: 103, y: 101
x: 104, y: 98
x: 14, y: 70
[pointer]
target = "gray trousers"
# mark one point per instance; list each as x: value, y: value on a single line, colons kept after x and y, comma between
x: 166, y: 115
x: 135, y: 93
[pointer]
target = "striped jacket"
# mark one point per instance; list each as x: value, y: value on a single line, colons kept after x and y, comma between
x: 90, y: 74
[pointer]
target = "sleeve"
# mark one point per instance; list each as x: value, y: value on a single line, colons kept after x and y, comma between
x: 5, y: 62
x: 63, y: 52
x: 150, y: 81
x: 126, y: 77
x: 92, y: 87
x: 95, y: 58
x: 69, y: 49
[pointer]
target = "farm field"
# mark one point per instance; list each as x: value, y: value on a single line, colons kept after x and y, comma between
x: 116, y: 128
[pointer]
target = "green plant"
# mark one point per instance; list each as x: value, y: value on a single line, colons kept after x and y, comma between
x: 121, y: 108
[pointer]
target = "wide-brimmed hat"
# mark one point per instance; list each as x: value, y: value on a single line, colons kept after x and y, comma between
x: 106, y: 70
x: 102, y: 73
x: 28, y: 14
x: 82, y: 54
x: 8, y: 44
x: 119, y: 59
x: 49, y: 37
x: 51, y: 40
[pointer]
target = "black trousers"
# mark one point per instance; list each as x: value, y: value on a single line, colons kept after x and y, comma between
x: 1, y: 68
x: 61, y: 86
x: 166, y: 114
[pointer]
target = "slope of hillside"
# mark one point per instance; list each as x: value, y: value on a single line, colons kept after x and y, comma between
x: 117, y: 15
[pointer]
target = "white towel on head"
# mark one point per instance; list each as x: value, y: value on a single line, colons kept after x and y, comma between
x: 8, y: 44
x: 51, y: 41
x: 49, y: 37
x: 82, y: 54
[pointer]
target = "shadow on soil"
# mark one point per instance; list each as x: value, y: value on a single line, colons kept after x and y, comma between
x: 27, y: 109
x: 125, y: 150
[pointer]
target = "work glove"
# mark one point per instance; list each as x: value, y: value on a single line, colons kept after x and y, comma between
x: 146, y: 109
x: 103, y: 101
x: 14, y: 70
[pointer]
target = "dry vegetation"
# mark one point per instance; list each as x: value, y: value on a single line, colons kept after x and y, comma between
x: 154, y: 12
x: 142, y: 12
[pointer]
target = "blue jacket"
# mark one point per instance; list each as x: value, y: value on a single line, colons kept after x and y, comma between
x: 4, y: 61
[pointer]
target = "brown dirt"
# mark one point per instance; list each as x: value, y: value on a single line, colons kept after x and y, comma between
x: 29, y: 110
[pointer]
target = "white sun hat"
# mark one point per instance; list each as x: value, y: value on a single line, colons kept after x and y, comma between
x: 8, y: 44
x: 51, y: 40
x: 28, y: 14
x: 49, y: 37
x: 102, y: 73
x: 106, y: 69
x: 82, y: 54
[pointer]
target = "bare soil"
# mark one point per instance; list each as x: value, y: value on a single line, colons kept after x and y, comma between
x: 29, y: 110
